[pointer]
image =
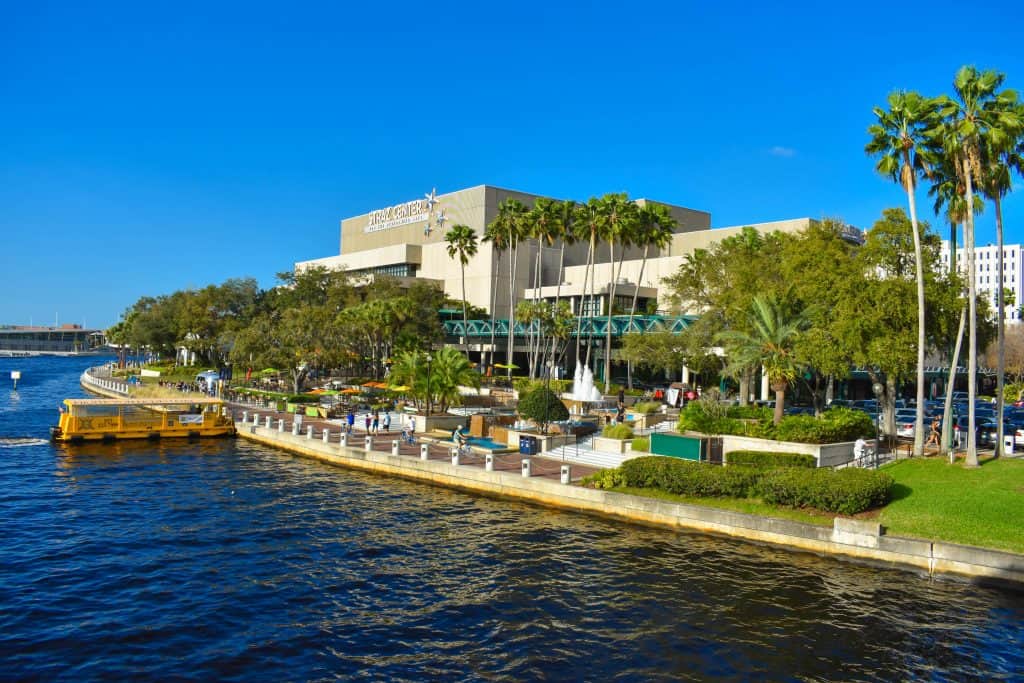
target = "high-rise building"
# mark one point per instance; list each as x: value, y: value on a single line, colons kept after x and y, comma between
x: 986, y: 272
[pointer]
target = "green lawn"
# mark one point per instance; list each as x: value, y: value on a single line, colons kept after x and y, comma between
x: 934, y: 500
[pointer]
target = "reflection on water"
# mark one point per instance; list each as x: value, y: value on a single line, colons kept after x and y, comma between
x: 220, y: 559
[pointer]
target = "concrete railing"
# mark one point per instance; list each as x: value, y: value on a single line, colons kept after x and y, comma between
x: 103, y: 385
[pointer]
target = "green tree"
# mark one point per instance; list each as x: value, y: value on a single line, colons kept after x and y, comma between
x: 543, y: 407
x: 898, y: 139
x: 461, y: 241
x: 508, y: 229
x: 770, y: 343
x: 975, y: 119
x: 436, y: 380
x: 619, y: 218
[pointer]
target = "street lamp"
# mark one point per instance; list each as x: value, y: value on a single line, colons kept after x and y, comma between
x: 429, y: 359
x: 877, y: 388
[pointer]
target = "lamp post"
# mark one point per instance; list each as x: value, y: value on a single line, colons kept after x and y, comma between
x: 429, y: 359
x: 877, y: 388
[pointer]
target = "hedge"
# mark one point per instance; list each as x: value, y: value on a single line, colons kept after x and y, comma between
x: 767, y: 459
x: 687, y: 478
x: 832, y: 426
x: 847, y: 491
x: 642, y: 444
x: 617, y: 431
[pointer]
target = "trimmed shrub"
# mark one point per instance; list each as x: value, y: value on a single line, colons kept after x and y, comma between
x: 642, y: 444
x: 617, y: 431
x: 750, y: 413
x: 846, y: 491
x: 541, y: 405
x: 646, y: 407
x: 833, y: 426
x: 605, y: 479
x: 687, y: 478
x: 767, y: 459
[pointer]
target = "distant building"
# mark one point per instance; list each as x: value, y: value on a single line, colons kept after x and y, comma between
x: 986, y: 272
x: 36, y: 340
x: 406, y: 241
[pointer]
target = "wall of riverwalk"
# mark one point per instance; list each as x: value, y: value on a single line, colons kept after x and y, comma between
x: 846, y: 538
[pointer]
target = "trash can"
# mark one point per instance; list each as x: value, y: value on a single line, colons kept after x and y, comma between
x: 528, y: 445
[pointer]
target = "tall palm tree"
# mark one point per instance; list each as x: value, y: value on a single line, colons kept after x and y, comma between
x: 1001, y: 161
x: 655, y: 228
x: 769, y: 343
x: 949, y: 192
x: 618, y: 224
x: 498, y: 238
x: 567, y: 235
x: 899, y: 140
x: 975, y: 120
x: 545, y: 227
x: 461, y: 241
x: 587, y: 225
x: 510, y: 222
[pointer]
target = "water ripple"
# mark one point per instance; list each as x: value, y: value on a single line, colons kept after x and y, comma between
x: 224, y: 560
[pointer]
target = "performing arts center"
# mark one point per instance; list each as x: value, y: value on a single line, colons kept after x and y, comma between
x: 406, y: 240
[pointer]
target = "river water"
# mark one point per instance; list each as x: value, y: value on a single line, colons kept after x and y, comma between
x: 222, y: 560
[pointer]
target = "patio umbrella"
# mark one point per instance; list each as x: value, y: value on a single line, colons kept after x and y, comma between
x: 504, y: 366
x: 350, y: 391
x: 401, y: 387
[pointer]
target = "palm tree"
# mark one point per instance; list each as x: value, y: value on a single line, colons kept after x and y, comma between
x: 510, y: 222
x: 587, y: 225
x: 461, y: 241
x: 1001, y: 160
x: 567, y: 235
x: 975, y: 120
x: 498, y: 238
x: 770, y: 343
x: 899, y: 140
x: 655, y: 228
x: 543, y: 224
x: 949, y: 192
x: 618, y: 224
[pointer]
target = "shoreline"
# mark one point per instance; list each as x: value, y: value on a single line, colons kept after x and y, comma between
x: 846, y: 539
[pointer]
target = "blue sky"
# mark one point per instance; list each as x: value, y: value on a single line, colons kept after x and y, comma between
x: 146, y: 148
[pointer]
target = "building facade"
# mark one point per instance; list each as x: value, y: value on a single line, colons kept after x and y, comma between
x: 407, y: 241
x: 986, y: 273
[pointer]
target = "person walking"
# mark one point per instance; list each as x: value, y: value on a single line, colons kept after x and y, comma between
x: 366, y: 421
x: 350, y: 419
x: 933, y: 435
x: 387, y: 422
x: 375, y: 425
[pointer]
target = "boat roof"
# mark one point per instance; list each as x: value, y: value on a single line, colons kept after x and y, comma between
x: 184, y: 400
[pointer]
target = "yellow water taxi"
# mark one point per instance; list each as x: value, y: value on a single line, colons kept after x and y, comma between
x: 107, y: 419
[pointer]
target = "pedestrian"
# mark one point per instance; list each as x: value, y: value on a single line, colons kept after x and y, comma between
x: 387, y: 422
x: 367, y: 421
x: 376, y: 422
x: 350, y: 419
x: 933, y: 435
x: 412, y: 425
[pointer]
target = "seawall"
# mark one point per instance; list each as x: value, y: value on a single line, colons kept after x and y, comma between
x: 846, y: 539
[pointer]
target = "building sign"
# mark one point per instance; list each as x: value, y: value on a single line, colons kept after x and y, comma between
x: 852, y: 234
x: 400, y: 214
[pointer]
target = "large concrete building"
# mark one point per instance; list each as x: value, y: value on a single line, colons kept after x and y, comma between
x: 407, y: 241
x: 986, y: 270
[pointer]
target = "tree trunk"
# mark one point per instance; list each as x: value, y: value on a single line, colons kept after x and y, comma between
x: 465, y: 314
x: 1000, y: 338
x: 590, y: 308
x: 947, y: 412
x: 558, y: 298
x: 494, y: 302
x: 512, y: 263
x: 744, y: 387
x: 611, y: 303
x: 780, y: 402
x: 583, y: 296
x: 919, y: 275
x: 972, y: 336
